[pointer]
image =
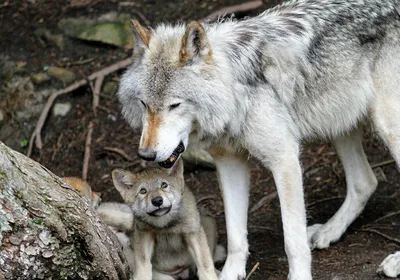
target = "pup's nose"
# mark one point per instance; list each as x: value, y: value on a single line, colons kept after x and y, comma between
x: 157, y: 201
x: 147, y: 154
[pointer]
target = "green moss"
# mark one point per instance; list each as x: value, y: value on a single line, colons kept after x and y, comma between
x: 36, y: 221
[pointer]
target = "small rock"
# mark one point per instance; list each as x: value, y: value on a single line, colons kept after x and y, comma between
x: 61, y: 109
x: 110, y: 88
x: 380, y: 175
x: 44, y: 36
x: 111, y: 29
x: 61, y: 74
x: 40, y: 78
x: 1, y: 115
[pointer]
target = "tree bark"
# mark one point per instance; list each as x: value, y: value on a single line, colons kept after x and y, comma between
x: 47, y: 230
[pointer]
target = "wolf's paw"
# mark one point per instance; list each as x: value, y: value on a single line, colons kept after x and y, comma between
x: 321, y: 236
x: 234, y: 268
x: 390, y: 266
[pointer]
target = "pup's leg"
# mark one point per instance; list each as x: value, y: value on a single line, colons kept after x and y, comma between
x: 143, y: 242
x: 118, y: 215
x: 390, y: 266
x: 199, y: 250
x: 361, y: 183
x: 288, y: 179
x: 234, y: 177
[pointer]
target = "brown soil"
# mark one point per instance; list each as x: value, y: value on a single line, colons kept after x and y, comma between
x: 356, y: 256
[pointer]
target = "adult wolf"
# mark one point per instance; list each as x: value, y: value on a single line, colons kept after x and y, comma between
x: 305, y: 69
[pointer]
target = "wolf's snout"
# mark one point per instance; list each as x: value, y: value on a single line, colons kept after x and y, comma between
x: 147, y: 154
x: 157, y: 201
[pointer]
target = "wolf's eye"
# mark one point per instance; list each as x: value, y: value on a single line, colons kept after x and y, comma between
x: 164, y: 185
x: 143, y: 191
x: 144, y: 104
x: 173, y: 106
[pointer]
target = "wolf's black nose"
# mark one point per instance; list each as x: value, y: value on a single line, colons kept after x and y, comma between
x: 147, y: 154
x: 157, y: 201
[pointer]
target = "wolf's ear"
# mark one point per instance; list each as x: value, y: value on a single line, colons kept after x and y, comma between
x: 177, y: 171
x: 123, y: 181
x: 195, y: 44
x: 141, y: 36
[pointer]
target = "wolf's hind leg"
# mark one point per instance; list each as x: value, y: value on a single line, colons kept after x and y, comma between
x: 361, y: 183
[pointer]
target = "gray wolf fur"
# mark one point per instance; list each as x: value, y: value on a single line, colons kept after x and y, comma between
x: 170, y: 238
x: 302, y: 70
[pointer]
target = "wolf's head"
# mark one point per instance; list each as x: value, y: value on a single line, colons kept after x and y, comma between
x: 154, y: 195
x: 172, y: 84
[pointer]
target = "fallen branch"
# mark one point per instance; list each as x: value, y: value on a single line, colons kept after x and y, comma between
x: 43, y: 116
x: 396, y: 240
x: 252, y: 270
x: 383, y: 163
x: 86, y: 156
x: 120, y: 152
x: 265, y: 200
x: 244, y: 7
x: 324, y: 200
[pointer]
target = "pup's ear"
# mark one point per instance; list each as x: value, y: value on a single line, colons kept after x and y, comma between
x: 177, y: 171
x: 195, y: 45
x: 141, y: 37
x: 123, y: 181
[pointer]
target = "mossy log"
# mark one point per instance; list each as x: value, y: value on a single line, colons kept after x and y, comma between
x: 47, y: 230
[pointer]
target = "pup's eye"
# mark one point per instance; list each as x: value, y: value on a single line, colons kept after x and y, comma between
x: 164, y: 185
x: 173, y: 106
x: 143, y: 191
x: 144, y: 104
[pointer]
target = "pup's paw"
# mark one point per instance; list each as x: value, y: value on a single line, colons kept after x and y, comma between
x: 234, y: 268
x: 320, y: 236
x: 390, y: 266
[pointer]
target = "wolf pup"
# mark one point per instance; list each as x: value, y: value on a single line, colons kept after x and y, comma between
x: 305, y: 69
x: 170, y: 238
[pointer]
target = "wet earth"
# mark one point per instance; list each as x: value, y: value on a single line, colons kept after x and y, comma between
x: 356, y: 256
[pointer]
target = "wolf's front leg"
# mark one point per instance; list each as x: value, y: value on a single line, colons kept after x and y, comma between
x: 234, y: 179
x: 200, y: 252
x: 287, y: 175
x: 143, y: 244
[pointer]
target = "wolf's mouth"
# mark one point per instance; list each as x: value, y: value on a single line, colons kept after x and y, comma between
x: 160, y: 212
x: 173, y: 157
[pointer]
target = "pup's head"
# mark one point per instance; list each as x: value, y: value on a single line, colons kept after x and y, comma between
x: 171, y: 80
x: 154, y: 194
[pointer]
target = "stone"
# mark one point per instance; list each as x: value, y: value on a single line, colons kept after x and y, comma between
x: 110, y: 29
x: 110, y: 88
x: 45, y: 37
x: 61, y: 74
x: 61, y: 109
x: 40, y: 78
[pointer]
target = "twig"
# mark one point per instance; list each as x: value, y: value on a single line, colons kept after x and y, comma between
x: 265, y: 200
x: 214, y: 197
x: 383, y: 163
x: 252, y: 270
x: 86, y: 157
x: 247, y: 6
x: 43, y: 116
x: 130, y: 4
x: 386, y: 216
x: 96, y: 92
x: 120, y: 152
x: 396, y: 240
x: 82, y: 62
x: 324, y: 200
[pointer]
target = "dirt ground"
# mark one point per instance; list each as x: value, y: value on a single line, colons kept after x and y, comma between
x: 356, y: 256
